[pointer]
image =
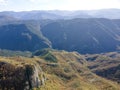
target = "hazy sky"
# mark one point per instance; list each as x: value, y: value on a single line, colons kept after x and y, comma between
x: 27, y: 5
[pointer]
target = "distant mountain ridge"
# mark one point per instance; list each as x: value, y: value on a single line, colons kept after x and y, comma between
x: 59, y: 14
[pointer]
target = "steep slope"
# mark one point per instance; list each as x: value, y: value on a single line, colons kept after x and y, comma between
x: 18, y: 73
x: 84, y: 35
x: 22, y: 36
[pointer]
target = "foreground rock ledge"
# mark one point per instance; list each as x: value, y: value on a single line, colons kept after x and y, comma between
x: 23, y: 77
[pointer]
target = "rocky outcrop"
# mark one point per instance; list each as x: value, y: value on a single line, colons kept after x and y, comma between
x: 20, y: 77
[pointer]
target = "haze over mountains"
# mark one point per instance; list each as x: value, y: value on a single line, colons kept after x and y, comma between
x: 57, y: 14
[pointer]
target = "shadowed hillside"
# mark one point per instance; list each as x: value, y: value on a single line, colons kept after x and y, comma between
x: 84, y: 35
x: 22, y: 36
x: 91, y: 35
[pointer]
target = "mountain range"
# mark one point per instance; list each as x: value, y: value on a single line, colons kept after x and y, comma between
x: 60, y: 50
x: 85, y: 35
x: 63, y: 14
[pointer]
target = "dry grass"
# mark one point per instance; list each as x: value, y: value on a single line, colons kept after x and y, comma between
x: 70, y: 72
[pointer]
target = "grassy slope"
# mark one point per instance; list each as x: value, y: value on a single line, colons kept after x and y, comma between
x: 106, y: 65
x: 70, y: 72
